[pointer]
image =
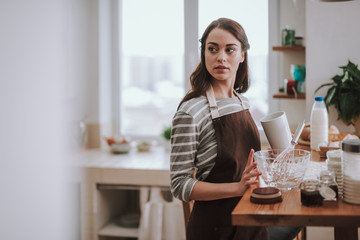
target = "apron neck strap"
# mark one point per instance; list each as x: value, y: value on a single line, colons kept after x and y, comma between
x: 212, y: 103
x: 238, y: 96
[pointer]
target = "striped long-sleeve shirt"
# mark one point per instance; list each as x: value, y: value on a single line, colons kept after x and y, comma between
x: 193, y: 142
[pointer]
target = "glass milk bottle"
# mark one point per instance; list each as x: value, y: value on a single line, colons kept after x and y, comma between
x: 319, y: 124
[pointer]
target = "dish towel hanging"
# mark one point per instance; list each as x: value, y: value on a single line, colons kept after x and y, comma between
x: 161, y: 220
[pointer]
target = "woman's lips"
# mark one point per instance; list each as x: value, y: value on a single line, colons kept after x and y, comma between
x: 221, y: 69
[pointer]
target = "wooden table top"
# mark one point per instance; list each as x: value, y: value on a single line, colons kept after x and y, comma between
x: 290, y: 212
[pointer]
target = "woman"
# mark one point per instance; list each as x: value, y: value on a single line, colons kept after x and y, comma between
x: 214, y: 137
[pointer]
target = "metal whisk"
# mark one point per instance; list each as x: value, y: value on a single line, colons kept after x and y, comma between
x: 285, y: 157
x: 284, y: 154
x: 293, y: 142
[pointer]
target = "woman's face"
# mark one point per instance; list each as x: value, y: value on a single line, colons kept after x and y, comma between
x: 223, y: 54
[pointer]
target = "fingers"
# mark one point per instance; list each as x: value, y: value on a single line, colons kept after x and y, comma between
x: 250, y: 174
x: 253, y: 173
x: 250, y: 159
x: 251, y: 178
x: 250, y: 165
x: 252, y: 181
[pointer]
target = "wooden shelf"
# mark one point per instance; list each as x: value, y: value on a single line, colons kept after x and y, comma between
x: 113, y: 230
x: 289, y: 48
x: 289, y: 96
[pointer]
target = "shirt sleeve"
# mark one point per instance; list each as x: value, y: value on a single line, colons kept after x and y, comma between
x: 184, y: 143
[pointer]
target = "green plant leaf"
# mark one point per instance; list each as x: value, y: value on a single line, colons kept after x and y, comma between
x: 337, y: 79
x: 346, y: 77
x: 329, y: 98
x: 349, y: 105
x: 323, y: 85
x: 353, y: 70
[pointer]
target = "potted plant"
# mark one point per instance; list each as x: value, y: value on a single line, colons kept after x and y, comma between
x: 167, y: 133
x: 167, y: 136
x: 344, y: 94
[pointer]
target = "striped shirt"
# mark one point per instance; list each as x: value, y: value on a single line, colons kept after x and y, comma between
x: 193, y: 142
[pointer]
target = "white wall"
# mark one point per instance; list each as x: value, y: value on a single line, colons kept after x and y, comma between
x: 333, y: 38
x: 46, y: 62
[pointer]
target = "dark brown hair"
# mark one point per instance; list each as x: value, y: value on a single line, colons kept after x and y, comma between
x: 200, y: 78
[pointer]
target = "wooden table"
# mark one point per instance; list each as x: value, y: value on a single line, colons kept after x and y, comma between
x: 345, y: 218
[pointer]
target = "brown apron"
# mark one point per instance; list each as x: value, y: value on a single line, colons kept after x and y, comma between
x: 236, y: 135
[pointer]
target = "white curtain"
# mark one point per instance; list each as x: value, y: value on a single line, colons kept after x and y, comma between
x: 160, y: 220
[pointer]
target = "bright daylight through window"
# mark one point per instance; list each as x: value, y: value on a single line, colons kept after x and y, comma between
x: 152, y: 56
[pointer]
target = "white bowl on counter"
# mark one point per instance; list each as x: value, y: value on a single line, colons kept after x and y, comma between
x: 120, y: 148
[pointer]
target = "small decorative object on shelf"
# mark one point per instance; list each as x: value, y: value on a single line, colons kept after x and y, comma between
x: 288, y: 37
x: 298, y: 72
x: 291, y: 87
x: 298, y: 41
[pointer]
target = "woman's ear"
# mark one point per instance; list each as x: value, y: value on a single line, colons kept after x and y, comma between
x: 242, y: 56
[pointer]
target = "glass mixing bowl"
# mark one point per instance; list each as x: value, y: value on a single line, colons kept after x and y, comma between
x: 285, y: 173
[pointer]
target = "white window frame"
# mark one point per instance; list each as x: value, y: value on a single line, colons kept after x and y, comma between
x: 110, y: 59
x: 110, y: 33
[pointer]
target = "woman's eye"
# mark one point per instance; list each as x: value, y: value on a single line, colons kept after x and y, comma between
x: 212, y: 49
x: 230, y: 50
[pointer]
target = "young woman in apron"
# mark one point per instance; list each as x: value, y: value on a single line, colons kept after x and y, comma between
x: 214, y: 135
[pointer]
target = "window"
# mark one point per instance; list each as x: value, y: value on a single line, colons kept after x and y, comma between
x: 152, y: 80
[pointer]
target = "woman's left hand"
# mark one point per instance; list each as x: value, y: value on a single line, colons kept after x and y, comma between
x: 205, y: 191
x: 250, y: 175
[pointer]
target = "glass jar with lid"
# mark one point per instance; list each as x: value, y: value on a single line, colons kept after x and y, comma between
x: 334, y: 164
x: 310, y: 193
x: 328, y: 186
x: 351, y: 170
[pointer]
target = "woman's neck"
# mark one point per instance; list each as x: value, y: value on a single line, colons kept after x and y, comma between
x: 223, y: 90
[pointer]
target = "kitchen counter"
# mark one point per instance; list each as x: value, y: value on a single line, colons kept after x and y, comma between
x: 104, y: 180
x: 156, y: 159
x: 137, y: 168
